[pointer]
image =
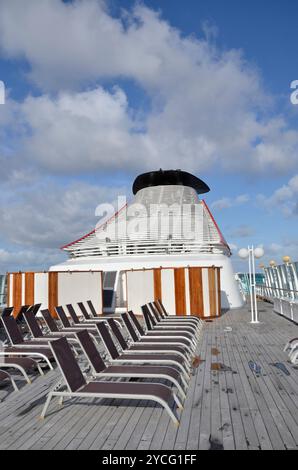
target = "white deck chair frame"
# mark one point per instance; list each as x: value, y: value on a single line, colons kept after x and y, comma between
x: 78, y: 394
x: 146, y: 361
x: 137, y: 375
x: 191, y: 349
x: 13, y: 383
x: 4, y: 365
x: 28, y: 354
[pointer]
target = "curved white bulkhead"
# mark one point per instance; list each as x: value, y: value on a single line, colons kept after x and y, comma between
x: 166, y: 225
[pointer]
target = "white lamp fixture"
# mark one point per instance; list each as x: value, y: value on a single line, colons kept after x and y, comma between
x: 251, y: 253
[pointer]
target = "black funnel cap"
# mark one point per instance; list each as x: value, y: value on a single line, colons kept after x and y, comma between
x: 169, y: 177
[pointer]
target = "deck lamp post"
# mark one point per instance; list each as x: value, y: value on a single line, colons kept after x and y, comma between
x: 251, y: 253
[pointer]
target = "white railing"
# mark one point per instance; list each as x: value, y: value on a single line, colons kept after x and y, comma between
x: 273, y: 292
x: 147, y: 248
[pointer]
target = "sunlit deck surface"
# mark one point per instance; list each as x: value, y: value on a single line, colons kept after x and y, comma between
x: 232, y: 409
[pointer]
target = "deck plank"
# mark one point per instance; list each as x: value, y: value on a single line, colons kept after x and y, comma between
x: 230, y: 409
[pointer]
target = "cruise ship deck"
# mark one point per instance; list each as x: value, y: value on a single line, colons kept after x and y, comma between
x: 229, y: 408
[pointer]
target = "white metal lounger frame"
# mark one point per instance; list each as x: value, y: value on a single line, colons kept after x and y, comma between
x: 78, y: 394
x: 190, y: 348
x: 292, y: 349
x: 163, y: 334
x: 131, y: 342
x: 73, y: 340
x: 28, y: 354
x: 294, y: 356
x: 185, y: 356
x: 173, y: 323
x: 185, y: 320
x: 9, y: 377
x: 186, y: 317
x: 136, y: 375
x: 4, y: 365
x: 170, y: 362
x: 24, y: 345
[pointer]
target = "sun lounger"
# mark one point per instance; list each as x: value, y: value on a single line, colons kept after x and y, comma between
x: 19, y: 347
x: 19, y: 315
x: 151, y: 325
x: 15, y: 336
x: 37, y: 332
x: 89, y: 324
x: 172, y: 323
x: 101, y: 370
x: 73, y: 328
x: 95, y: 318
x: 149, y: 339
x: 291, y: 345
x: 140, y: 358
x: 160, y: 316
x: 165, y: 314
x: 53, y: 327
x: 157, y: 325
x: 78, y: 387
x: 158, y: 336
x: 143, y: 347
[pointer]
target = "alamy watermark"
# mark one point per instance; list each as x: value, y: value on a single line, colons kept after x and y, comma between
x: 294, y: 94
x: 168, y: 222
x: 2, y: 92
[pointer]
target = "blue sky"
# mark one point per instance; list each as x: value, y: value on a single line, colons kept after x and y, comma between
x: 98, y: 92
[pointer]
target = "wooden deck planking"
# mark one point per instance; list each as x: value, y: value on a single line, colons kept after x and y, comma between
x: 229, y: 409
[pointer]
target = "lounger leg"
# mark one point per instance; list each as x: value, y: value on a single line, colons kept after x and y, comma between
x: 46, y: 405
x: 25, y: 375
x: 61, y: 401
x: 39, y: 369
x: 179, y: 388
x: 184, y: 382
x: 16, y: 388
x: 170, y: 412
x: 178, y: 402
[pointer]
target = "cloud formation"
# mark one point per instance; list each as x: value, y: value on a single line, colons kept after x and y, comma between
x: 207, y: 107
x: 227, y: 202
x: 207, y: 110
x: 284, y: 198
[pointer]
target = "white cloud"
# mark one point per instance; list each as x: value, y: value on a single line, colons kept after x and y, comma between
x: 284, y: 198
x: 207, y: 110
x: 227, y: 202
x: 29, y: 259
x: 242, y: 231
x: 208, y: 107
x: 48, y: 216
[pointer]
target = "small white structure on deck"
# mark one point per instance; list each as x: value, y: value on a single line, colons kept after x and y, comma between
x: 166, y: 227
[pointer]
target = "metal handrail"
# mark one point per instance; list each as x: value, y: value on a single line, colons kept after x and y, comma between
x: 277, y: 288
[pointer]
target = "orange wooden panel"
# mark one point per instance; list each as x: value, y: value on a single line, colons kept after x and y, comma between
x: 196, y: 292
x: 218, y: 291
x: 17, y: 293
x: 29, y: 288
x: 157, y: 284
x: 8, y: 289
x: 53, y: 292
x: 212, y: 292
x: 180, y: 300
